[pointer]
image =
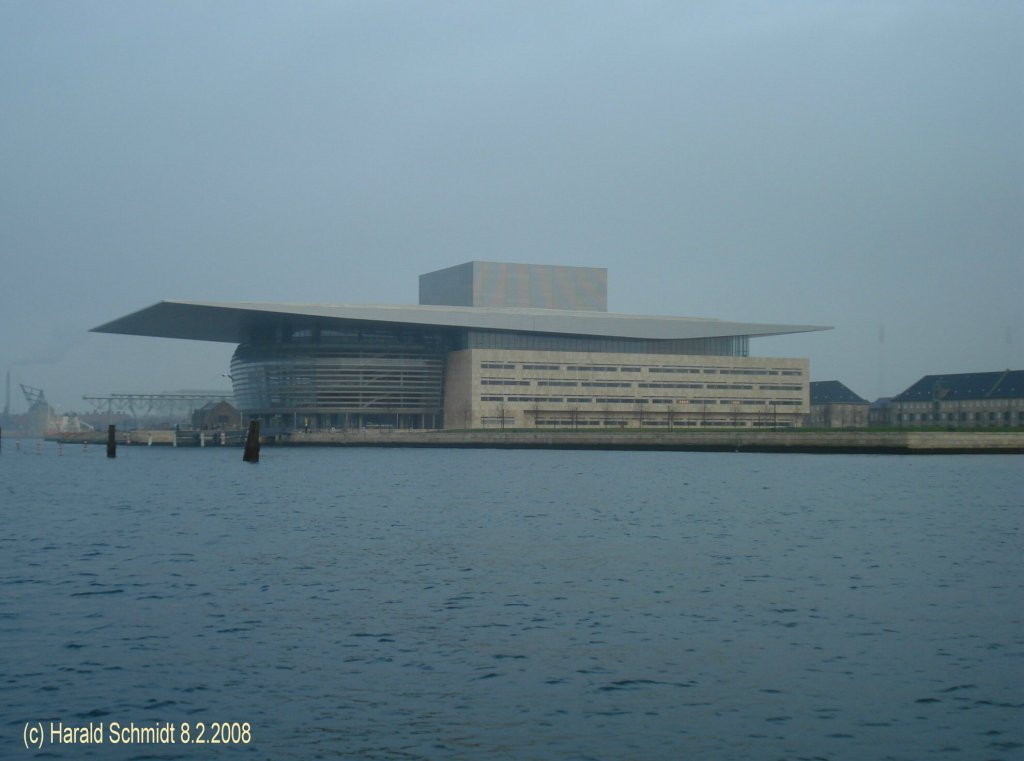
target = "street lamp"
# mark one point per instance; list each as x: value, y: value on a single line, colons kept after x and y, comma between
x: 241, y: 420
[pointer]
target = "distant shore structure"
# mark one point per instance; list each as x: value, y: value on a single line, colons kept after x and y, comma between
x: 961, y: 400
x: 490, y: 345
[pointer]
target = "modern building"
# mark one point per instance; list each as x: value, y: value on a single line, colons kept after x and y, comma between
x: 490, y: 345
x: 834, y: 405
x: 962, y: 400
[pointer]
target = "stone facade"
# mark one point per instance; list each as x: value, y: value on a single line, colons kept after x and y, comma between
x: 961, y: 413
x: 833, y: 405
x: 490, y: 388
x: 838, y: 416
x: 963, y: 400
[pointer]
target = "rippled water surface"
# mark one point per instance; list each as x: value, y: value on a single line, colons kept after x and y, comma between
x: 483, y: 604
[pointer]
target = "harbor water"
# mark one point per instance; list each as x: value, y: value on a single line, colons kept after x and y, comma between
x: 488, y: 604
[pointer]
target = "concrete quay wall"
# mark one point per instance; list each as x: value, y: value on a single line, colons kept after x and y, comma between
x: 824, y: 442
x: 156, y: 437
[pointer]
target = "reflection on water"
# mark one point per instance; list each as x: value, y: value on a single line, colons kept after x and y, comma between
x: 408, y: 604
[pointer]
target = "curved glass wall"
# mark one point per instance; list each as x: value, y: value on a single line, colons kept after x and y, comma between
x: 314, y: 377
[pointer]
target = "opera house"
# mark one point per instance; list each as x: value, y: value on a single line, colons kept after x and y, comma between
x: 490, y: 345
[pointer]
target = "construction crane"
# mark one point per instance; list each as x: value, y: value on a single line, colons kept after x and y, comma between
x: 32, y: 395
x: 46, y: 421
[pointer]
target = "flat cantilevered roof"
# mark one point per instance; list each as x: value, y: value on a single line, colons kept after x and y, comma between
x: 232, y: 322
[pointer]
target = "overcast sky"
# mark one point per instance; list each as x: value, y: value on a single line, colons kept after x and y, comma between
x: 856, y: 164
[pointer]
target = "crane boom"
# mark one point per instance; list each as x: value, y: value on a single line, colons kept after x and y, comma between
x: 32, y: 394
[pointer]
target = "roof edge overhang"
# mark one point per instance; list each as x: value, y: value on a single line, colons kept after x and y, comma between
x: 232, y: 322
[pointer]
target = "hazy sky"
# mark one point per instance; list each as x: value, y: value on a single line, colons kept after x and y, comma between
x: 856, y: 164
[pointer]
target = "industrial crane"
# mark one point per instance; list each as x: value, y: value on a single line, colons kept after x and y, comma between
x: 32, y: 394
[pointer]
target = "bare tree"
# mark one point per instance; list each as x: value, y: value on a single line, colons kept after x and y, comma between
x: 502, y: 412
x: 574, y: 415
x: 640, y: 410
x: 535, y: 411
x: 681, y: 413
x: 670, y: 415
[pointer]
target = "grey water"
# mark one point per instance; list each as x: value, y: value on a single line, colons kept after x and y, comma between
x: 486, y: 604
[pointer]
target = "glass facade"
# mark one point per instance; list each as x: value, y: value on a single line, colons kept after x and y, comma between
x: 315, y: 376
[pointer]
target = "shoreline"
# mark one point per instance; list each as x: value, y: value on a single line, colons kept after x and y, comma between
x: 816, y: 442
x: 809, y: 442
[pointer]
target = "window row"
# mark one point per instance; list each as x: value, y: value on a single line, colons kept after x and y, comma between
x: 687, y: 404
x: 634, y: 369
x: 937, y: 417
x: 580, y: 422
x: 548, y: 383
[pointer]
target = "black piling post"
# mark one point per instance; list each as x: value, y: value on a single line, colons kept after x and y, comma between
x: 111, y: 441
x: 252, y: 443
